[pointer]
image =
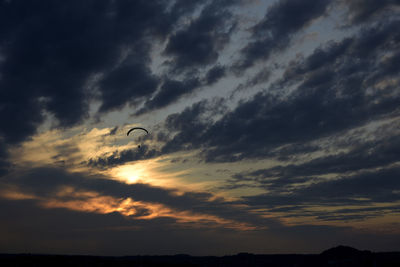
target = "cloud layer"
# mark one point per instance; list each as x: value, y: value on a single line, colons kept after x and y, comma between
x: 277, y: 120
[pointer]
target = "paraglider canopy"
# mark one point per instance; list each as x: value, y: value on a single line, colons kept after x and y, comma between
x: 137, y: 128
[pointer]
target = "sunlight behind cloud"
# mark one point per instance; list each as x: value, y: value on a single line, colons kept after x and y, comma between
x: 70, y: 148
x: 146, y: 171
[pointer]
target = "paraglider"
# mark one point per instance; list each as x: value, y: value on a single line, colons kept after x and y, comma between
x: 137, y: 128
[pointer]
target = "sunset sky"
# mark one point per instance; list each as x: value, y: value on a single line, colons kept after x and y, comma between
x: 274, y: 126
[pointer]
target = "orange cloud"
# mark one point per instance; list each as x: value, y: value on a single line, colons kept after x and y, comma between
x: 140, y: 210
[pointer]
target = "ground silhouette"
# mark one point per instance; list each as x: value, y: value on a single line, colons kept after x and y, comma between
x: 337, y: 256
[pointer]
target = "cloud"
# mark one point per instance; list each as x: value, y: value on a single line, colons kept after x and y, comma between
x: 191, y: 49
x: 121, y: 157
x: 355, y: 86
x: 170, y: 91
x: 321, y: 134
x: 4, y: 163
x: 113, y: 131
x: 50, y: 54
x: 55, y: 187
x: 367, y: 155
x: 190, y: 125
x: 77, y: 229
x: 355, y: 214
x: 130, y: 82
x: 363, y: 188
x: 360, y: 11
x: 274, y: 33
x: 215, y: 74
x: 200, y: 43
x: 58, y: 57
x: 29, y: 228
x: 54, y: 205
x: 62, y: 231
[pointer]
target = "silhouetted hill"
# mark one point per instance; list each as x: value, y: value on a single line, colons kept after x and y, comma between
x: 348, y: 256
x: 338, y: 256
x: 341, y: 252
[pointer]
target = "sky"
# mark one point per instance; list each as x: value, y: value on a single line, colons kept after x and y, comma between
x: 274, y: 126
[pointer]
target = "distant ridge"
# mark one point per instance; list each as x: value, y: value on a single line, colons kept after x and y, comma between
x: 342, y: 252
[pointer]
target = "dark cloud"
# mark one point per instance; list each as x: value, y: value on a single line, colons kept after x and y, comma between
x: 322, y: 56
x: 215, y: 74
x: 274, y: 33
x: 355, y: 214
x: 261, y: 77
x: 191, y: 117
x: 364, y: 188
x: 190, y: 49
x: 129, y: 83
x: 345, y: 92
x: 57, y: 56
x: 363, y: 10
x: 64, y: 153
x: 368, y: 155
x: 50, y: 52
x: 170, y: 91
x: 200, y: 43
x: 182, y: 7
x: 342, y: 215
x: 113, y: 131
x: 4, y: 163
x: 121, y: 157
x: 190, y: 125
x: 292, y: 151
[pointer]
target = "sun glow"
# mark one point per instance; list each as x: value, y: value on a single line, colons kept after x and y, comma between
x: 149, y: 171
x: 133, y: 173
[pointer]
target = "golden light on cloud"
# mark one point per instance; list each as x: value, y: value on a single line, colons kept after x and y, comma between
x: 15, y: 195
x: 72, y: 148
x: 97, y: 204
x: 71, y: 198
x: 78, y: 145
x: 138, y: 210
